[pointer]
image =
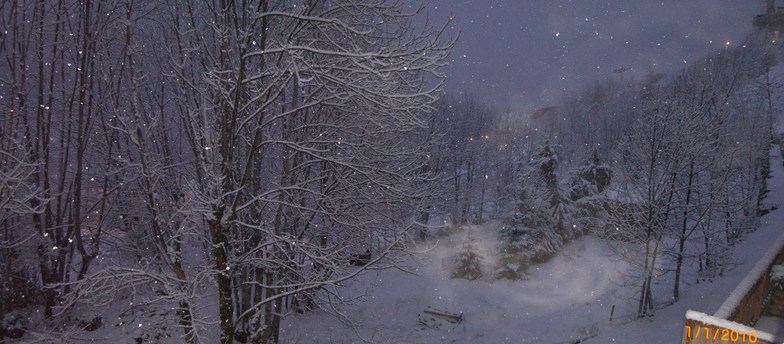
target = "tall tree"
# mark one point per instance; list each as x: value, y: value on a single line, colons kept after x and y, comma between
x: 300, y: 124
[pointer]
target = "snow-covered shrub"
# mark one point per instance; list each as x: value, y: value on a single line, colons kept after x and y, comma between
x: 468, y: 260
x: 525, y: 240
x: 535, y: 246
x: 564, y: 216
x: 586, y: 189
x: 596, y: 173
x: 511, y: 262
x: 544, y: 244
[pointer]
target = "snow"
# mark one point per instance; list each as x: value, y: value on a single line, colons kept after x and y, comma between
x: 667, y: 325
x: 777, y: 273
x: 730, y: 325
x: 772, y: 325
x: 578, y: 295
x: 568, y: 298
x: 743, y: 288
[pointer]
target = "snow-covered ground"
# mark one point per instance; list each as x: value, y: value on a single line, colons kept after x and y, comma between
x: 667, y: 325
x: 562, y: 300
x: 567, y: 298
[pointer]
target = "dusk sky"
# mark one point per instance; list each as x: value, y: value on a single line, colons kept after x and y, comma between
x: 526, y: 54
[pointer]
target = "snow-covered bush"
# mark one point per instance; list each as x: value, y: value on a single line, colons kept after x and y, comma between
x: 534, y: 245
x: 468, y: 260
x: 526, y: 239
x: 596, y: 173
x: 587, y: 186
x: 511, y: 259
x: 564, y: 216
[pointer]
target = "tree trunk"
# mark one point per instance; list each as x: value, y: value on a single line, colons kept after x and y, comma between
x: 682, y: 238
x: 223, y: 279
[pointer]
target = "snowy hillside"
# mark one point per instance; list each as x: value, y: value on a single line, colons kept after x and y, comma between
x: 565, y: 299
x: 304, y: 171
x: 667, y: 325
x: 568, y: 298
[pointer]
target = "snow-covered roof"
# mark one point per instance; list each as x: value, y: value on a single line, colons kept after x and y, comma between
x: 730, y: 325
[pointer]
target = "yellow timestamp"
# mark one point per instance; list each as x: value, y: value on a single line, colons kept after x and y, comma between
x: 722, y: 334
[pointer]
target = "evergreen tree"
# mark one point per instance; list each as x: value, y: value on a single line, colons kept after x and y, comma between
x: 588, y: 182
x: 560, y: 207
x: 596, y: 174
x: 468, y: 261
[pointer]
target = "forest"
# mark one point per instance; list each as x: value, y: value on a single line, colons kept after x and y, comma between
x: 213, y: 167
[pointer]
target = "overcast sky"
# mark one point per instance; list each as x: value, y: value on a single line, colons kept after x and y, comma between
x: 527, y: 53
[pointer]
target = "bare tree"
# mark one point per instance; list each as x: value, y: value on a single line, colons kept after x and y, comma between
x: 649, y: 162
x: 56, y: 97
x: 302, y: 127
